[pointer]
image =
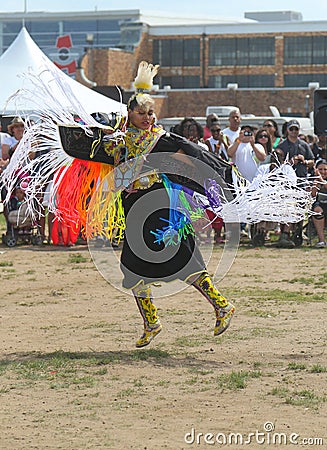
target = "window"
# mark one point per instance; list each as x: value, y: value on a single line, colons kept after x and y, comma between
x: 80, y: 25
x: 243, y: 81
x: 242, y: 51
x: 302, y: 80
x: 177, y: 52
x: 319, y: 49
x: 180, y: 82
x: 305, y: 50
x: 222, y: 52
x: 42, y: 27
x: 191, y: 55
x: 106, y: 32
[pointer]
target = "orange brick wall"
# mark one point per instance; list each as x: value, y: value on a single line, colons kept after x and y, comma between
x: 250, y: 101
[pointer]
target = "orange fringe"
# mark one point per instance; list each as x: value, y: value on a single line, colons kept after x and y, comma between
x: 77, y: 184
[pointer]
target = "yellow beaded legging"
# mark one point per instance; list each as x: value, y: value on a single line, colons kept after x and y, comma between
x: 205, y: 285
x: 148, y: 309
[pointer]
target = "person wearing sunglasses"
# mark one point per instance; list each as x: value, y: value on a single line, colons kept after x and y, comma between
x: 297, y: 151
x: 272, y: 127
x: 217, y: 143
x: 263, y: 137
x: 299, y: 154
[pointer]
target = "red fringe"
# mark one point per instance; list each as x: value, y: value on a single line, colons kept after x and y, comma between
x: 72, y: 195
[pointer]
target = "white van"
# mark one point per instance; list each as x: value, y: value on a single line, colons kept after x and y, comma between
x: 221, y: 111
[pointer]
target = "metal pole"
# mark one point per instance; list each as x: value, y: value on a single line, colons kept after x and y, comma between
x: 25, y: 11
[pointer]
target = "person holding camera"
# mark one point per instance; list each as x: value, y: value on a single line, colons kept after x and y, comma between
x: 297, y: 151
x: 246, y: 153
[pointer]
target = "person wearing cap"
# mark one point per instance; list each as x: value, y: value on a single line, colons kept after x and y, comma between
x: 297, y: 151
x: 246, y: 153
x: 300, y: 155
x: 16, y: 131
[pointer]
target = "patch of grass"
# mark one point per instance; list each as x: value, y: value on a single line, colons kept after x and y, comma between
x: 280, y: 392
x: 185, y: 341
x: 150, y: 353
x: 138, y: 383
x: 31, y: 272
x: 200, y: 371
x: 237, y: 380
x: 105, y: 327
x: 257, y: 364
x: 176, y: 312
x: 302, y: 280
x: 317, y: 280
x: 125, y: 393
x: 60, y: 369
x: 256, y: 312
x: 305, y: 398
x: 6, y: 263
x: 296, y: 366
x: 77, y: 258
x: 317, y: 368
x: 103, y: 371
x: 192, y: 381
x: 8, y: 274
x: 163, y: 383
x: 321, y: 280
x: 279, y: 296
x: 266, y: 332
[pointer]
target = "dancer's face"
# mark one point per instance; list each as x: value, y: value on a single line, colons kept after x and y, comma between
x: 140, y: 118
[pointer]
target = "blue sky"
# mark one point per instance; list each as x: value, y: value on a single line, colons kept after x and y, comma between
x: 311, y: 10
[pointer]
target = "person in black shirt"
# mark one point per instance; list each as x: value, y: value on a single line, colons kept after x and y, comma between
x: 298, y: 152
x: 300, y: 155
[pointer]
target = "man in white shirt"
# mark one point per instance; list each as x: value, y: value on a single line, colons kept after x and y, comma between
x: 233, y: 130
x: 246, y: 154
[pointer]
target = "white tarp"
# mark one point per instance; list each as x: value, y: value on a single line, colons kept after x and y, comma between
x: 24, y: 60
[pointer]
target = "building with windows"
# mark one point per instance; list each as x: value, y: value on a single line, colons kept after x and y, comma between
x: 264, y: 54
x: 253, y: 62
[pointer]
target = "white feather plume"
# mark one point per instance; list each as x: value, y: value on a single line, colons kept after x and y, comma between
x: 145, y: 75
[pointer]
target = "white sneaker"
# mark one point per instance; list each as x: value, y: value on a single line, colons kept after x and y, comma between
x: 321, y: 244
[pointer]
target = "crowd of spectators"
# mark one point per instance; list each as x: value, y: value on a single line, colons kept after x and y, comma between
x: 252, y: 151
x: 255, y: 151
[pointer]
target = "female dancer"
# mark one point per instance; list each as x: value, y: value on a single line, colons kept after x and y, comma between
x: 185, y: 263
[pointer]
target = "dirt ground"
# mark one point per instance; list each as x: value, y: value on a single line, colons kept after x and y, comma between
x: 71, y: 377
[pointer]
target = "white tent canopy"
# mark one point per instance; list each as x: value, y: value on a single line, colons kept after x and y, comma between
x: 24, y: 60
